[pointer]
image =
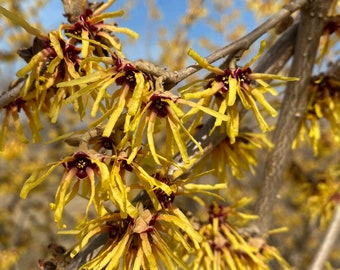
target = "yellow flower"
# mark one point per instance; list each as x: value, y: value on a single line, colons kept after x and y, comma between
x: 160, y: 105
x: 240, y: 156
x: 58, y: 61
x: 56, y: 58
x: 96, y: 36
x: 135, y: 87
x: 80, y: 171
x: 165, y: 105
x: 224, y: 247
x: 13, y: 109
x: 223, y: 90
x: 323, y: 104
x: 147, y: 241
x: 320, y: 195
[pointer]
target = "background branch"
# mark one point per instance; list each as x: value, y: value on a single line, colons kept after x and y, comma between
x: 277, y: 56
x: 328, y: 242
x: 293, y: 107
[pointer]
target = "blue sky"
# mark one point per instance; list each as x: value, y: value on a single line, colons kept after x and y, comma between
x: 137, y: 19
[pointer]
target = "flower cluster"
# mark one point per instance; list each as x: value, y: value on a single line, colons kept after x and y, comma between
x: 240, y: 156
x: 225, y: 247
x: 12, y: 110
x: 323, y: 106
x: 319, y: 193
x: 118, y: 157
x: 225, y: 87
x: 145, y: 241
x: 80, y: 166
x: 78, y: 65
x: 74, y: 51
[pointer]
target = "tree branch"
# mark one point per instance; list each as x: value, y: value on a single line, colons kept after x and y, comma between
x: 277, y: 56
x: 294, y: 105
x: 12, y: 93
x: 328, y: 242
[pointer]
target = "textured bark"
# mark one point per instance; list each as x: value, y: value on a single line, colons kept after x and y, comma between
x: 313, y: 17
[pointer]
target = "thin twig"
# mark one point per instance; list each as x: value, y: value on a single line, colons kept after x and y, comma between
x: 12, y: 93
x: 293, y: 107
x: 328, y: 242
x: 172, y: 78
x: 277, y: 56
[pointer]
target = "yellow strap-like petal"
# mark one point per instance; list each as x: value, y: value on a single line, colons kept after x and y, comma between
x: 111, y: 261
x: 260, y: 98
x: 85, y: 44
x: 204, y: 63
x: 267, y: 87
x: 146, y: 246
x: 60, y: 200
x: 233, y: 123
x: 55, y: 43
x: 178, y: 139
x: 107, y: 15
x: 124, y: 30
x: 218, y: 115
x: 18, y: 20
x: 115, y: 44
x: 265, y: 76
x: 222, y: 110
x: 84, y: 240
x: 34, y: 180
x: 32, y: 64
x: 118, y: 109
x: 261, y: 49
x: 262, y: 123
x: 234, y: 84
x: 136, y: 99
x: 229, y: 259
x: 149, y: 135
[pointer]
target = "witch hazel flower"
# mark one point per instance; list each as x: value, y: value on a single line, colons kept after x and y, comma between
x: 226, y: 86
